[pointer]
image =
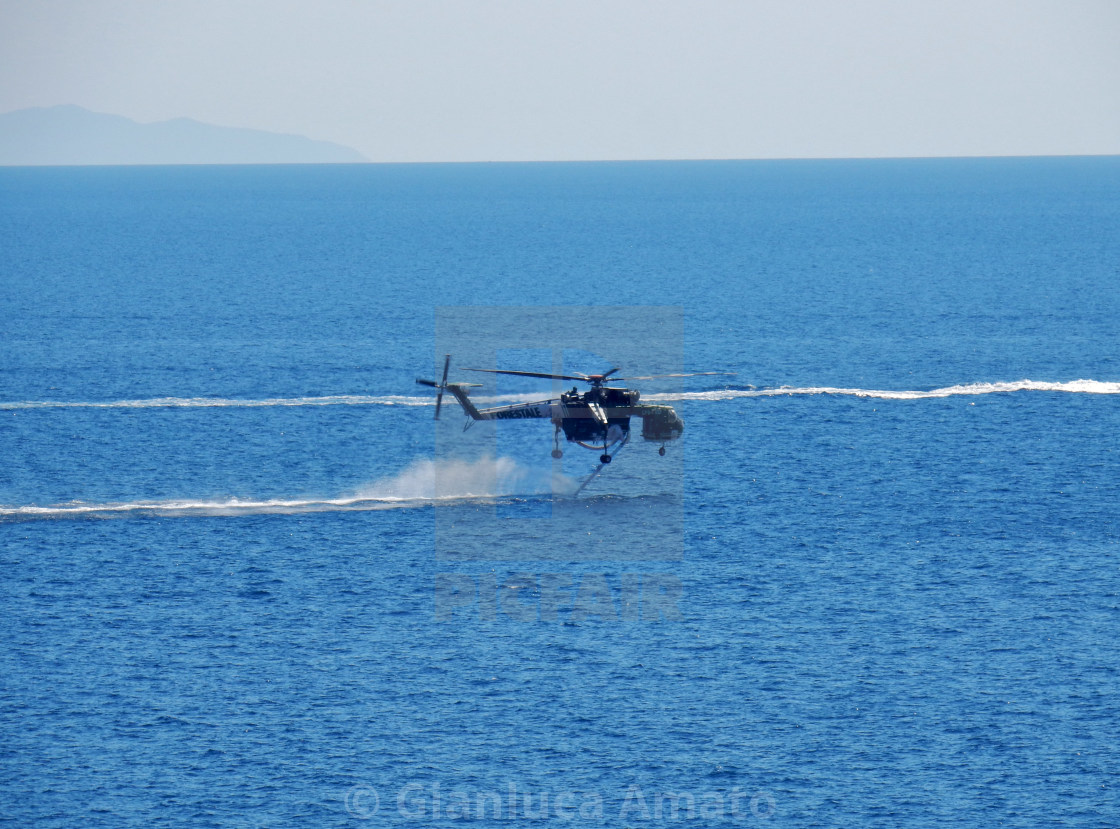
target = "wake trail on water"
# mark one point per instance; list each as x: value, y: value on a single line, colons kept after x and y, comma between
x: 222, y: 402
x: 423, y: 483
x: 1072, y: 386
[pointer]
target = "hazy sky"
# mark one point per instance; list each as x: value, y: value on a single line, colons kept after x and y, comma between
x: 415, y: 80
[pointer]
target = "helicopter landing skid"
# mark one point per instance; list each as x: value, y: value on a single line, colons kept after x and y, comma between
x: 599, y: 468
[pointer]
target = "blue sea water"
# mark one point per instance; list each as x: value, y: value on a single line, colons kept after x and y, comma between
x: 899, y: 549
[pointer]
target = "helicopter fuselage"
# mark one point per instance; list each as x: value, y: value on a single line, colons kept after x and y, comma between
x: 585, y: 418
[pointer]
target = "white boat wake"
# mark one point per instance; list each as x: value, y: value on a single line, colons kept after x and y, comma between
x: 1072, y: 387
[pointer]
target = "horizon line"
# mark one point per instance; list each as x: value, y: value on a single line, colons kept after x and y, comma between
x: 651, y: 160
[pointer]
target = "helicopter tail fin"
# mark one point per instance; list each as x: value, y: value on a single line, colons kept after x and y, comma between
x: 460, y: 392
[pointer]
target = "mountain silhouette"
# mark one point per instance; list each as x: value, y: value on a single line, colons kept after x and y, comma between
x: 68, y: 134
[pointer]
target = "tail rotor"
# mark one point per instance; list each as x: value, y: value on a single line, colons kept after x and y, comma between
x: 442, y: 383
x: 440, y: 386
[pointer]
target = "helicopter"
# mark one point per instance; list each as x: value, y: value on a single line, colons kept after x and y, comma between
x: 597, y: 419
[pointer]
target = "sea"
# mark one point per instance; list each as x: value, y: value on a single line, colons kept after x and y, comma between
x: 249, y: 580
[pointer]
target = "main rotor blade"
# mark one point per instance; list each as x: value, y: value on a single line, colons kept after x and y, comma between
x: 685, y: 374
x: 582, y: 377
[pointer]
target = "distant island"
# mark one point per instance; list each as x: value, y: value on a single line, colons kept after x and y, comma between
x: 64, y: 135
